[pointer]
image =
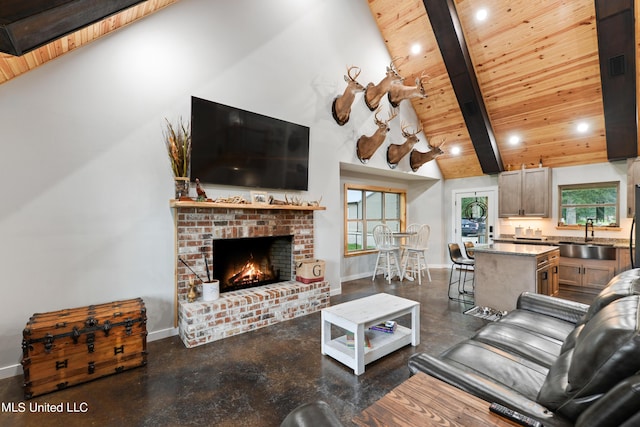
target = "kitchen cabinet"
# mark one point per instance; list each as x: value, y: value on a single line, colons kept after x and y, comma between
x: 633, y: 178
x: 524, y: 192
x: 548, y: 274
x: 623, y: 256
x: 586, y: 275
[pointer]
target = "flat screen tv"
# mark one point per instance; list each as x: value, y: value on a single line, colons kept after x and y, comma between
x: 230, y: 146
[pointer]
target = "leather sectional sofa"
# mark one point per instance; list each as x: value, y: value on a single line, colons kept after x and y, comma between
x: 560, y: 362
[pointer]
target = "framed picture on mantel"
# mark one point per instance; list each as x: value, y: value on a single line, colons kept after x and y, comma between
x: 259, y: 198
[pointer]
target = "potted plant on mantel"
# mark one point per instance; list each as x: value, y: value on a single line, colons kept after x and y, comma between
x: 178, y: 141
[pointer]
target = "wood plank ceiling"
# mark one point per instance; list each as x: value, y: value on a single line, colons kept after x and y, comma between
x: 14, y: 66
x: 535, y: 63
x: 537, y: 69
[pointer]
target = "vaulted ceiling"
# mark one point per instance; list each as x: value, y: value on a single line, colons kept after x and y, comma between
x: 531, y: 70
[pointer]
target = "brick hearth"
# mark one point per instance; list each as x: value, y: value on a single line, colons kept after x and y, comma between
x: 245, y: 310
x: 241, y: 311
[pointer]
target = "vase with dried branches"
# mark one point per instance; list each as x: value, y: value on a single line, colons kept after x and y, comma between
x: 178, y: 141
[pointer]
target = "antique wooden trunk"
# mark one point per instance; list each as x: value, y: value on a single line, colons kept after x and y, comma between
x: 73, y: 346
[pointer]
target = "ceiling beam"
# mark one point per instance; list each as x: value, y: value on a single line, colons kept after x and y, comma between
x: 453, y: 47
x: 27, y: 25
x: 616, y: 47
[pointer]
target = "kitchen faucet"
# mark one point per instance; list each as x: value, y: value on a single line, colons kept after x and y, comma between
x: 586, y: 229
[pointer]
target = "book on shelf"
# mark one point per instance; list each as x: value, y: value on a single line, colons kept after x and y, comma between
x: 388, y: 327
x: 350, y: 339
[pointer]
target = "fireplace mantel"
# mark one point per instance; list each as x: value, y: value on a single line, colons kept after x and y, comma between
x: 195, y: 204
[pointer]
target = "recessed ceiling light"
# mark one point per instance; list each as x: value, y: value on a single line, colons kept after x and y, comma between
x: 416, y: 48
x: 582, y: 127
x: 482, y: 14
x: 455, y: 150
x: 514, y: 140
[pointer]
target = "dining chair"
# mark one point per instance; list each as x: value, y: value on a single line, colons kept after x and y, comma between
x: 411, y: 231
x: 414, y: 261
x: 387, y: 259
x: 464, y: 265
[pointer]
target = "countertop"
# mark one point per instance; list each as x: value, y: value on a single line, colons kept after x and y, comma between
x: 556, y: 241
x: 515, y: 249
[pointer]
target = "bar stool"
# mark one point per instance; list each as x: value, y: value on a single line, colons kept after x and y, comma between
x: 387, y: 259
x: 469, y: 250
x: 463, y: 264
x: 414, y: 261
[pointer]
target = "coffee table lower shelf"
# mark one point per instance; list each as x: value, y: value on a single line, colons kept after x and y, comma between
x: 382, y: 343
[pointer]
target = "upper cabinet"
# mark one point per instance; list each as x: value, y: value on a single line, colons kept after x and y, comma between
x: 510, y: 194
x: 525, y: 192
x: 633, y: 178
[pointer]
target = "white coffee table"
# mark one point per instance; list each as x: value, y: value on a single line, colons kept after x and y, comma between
x: 356, y: 317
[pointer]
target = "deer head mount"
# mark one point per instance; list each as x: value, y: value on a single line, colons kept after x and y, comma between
x: 399, y: 92
x: 418, y: 158
x: 374, y: 93
x: 395, y: 152
x: 341, y: 106
x: 367, y: 145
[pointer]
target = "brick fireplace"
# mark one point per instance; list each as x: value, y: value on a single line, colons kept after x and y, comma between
x: 198, y: 225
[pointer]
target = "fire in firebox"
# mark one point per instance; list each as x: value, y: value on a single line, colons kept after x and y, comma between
x: 252, y: 273
x: 255, y: 261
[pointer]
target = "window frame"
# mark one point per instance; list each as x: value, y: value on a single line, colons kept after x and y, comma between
x: 402, y: 211
x: 591, y: 185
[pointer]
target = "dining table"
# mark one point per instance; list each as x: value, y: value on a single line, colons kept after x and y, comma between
x: 399, y: 238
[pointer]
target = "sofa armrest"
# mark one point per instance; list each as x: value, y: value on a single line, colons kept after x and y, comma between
x: 570, y: 311
x: 618, y: 406
x: 484, y: 388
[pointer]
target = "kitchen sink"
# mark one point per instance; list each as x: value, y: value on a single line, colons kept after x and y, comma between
x: 602, y: 251
x: 587, y: 244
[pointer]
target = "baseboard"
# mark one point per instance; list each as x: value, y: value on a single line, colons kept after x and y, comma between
x: 368, y: 274
x: 355, y: 277
x: 15, y: 370
x: 10, y: 371
x: 163, y: 333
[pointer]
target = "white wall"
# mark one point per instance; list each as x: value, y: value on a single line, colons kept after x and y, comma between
x: 85, y: 216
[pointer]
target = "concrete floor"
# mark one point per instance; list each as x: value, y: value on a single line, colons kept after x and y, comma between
x: 253, y: 379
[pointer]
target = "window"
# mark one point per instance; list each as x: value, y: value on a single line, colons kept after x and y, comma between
x: 597, y: 201
x: 365, y: 207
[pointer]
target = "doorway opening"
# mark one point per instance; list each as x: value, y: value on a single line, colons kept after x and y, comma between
x: 475, y: 216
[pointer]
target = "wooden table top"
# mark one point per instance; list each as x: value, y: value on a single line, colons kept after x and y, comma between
x: 403, y: 233
x: 423, y: 400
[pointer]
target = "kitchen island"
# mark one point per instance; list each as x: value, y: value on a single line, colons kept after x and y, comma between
x: 504, y: 270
